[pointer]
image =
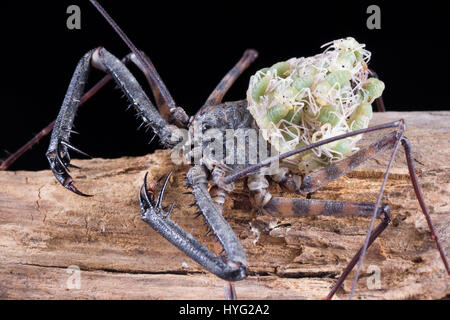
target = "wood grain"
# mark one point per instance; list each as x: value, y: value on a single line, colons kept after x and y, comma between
x: 44, y: 229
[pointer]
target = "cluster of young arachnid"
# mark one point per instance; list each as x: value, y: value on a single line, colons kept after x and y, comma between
x: 305, y: 100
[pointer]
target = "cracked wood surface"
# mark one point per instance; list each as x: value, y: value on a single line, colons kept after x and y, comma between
x: 45, y: 228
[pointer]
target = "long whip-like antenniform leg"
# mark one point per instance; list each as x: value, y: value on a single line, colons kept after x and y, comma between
x: 323, y: 177
x: 335, y: 171
x: 378, y: 230
x: 412, y: 173
x: 164, y: 100
x: 267, y: 162
x: 358, y: 258
x: 166, y: 105
x: 407, y: 146
x: 295, y: 207
x: 57, y: 153
x: 377, y: 205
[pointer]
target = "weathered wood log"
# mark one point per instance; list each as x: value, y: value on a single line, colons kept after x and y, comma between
x: 44, y: 229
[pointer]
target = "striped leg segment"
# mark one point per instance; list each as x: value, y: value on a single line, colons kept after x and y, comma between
x: 294, y: 207
x: 320, y: 178
x: 284, y: 207
x: 238, y: 174
x: 386, y: 219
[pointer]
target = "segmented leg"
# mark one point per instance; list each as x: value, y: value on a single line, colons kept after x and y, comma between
x: 227, y: 81
x: 218, y: 196
x: 320, y: 178
x: 164, y: 100
x: 259, y: 195
x: 296, y: 207
x: 232, y: 267
x: 45, y: 131
x: 415, y: 182
x: 376, y: 232
x: 268, y: 161
x: 174, y: 115
x: 57, y: 153
x: 362, y: 252
x: 388, y: 142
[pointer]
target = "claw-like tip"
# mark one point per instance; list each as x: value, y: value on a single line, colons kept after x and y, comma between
x: 71, y: 187
x: 163, y: 189
x: 170, y: 209
x: 59, y: 160
x: 145, y: 180
x: 144, y: 189
x: 143, y: 203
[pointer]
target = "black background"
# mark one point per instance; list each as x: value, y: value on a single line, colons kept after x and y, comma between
x: 193, y: 45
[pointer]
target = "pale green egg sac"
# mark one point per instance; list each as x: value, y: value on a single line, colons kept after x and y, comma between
x: 305, y: 100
